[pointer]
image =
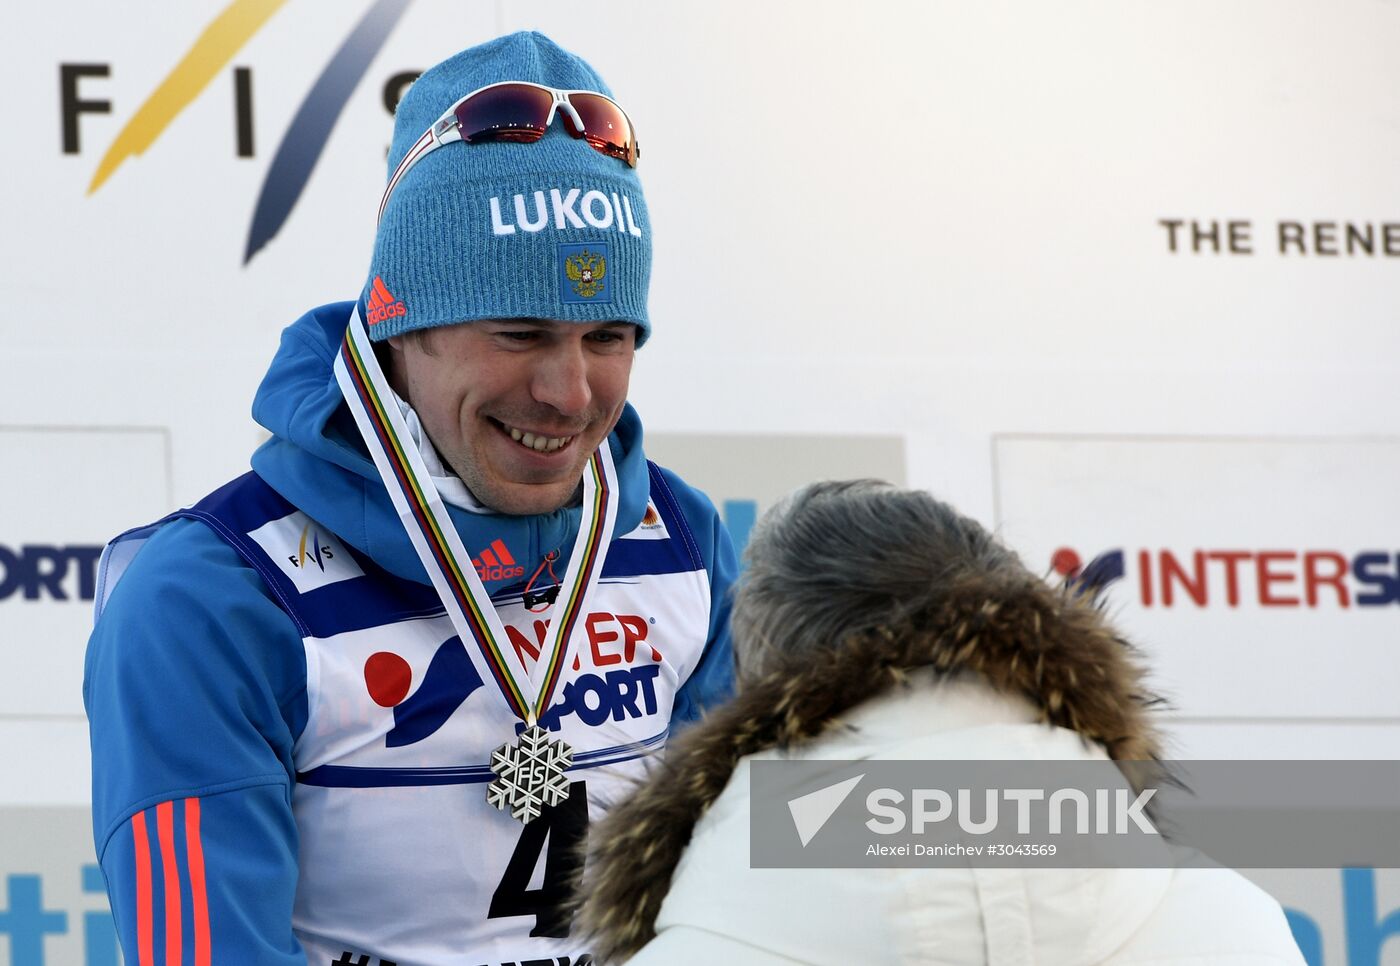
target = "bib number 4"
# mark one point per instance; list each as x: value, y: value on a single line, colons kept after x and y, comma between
x: 564, y: 828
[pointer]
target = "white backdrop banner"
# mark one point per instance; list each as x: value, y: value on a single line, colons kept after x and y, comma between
x: 1242, y: 566
x: 1149, y: 253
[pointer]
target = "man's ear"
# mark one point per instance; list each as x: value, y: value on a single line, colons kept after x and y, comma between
x: 391, y: 360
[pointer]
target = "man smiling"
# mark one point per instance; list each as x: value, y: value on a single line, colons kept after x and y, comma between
x: 359, y: 706
x: 516, y: 406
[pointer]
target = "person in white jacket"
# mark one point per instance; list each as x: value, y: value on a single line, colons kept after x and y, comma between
x: 876, y: 623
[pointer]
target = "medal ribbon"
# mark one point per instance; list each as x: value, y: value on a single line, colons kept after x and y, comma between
x: 430, y: 529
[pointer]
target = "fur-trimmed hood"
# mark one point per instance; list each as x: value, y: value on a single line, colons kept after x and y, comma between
x: 1019, y: 636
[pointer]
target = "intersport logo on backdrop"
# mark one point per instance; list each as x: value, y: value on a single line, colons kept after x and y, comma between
x: 193, y: 72
x: 1232, y: 577
x: 35, y: 571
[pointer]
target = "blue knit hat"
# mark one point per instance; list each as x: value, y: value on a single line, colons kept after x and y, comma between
x: 507, y: 230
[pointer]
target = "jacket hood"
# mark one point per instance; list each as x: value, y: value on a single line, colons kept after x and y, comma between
x: 318, y: 462
x: 1027, y: 640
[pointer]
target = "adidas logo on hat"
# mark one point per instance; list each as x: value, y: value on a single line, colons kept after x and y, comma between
x: 382, y: 304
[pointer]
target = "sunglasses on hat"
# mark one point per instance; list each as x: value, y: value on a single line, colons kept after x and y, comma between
x: 520, y: 112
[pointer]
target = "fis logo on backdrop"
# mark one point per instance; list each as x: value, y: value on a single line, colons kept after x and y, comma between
x: 1214, y: 578
x: 306, y: 552
x: 584, y: 273
x: 310, y: 128
x: 194, y: 69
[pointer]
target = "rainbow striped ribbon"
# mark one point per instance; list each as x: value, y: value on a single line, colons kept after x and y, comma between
x: 421, y: 510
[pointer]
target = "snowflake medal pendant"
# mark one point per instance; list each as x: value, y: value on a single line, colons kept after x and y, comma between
x: 529, y: 774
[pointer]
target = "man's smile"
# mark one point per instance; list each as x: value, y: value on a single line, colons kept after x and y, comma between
x: 533, y: 440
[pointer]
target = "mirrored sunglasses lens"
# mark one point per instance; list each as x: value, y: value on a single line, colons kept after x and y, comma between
x: 510, y: 112
x: 605, y: 126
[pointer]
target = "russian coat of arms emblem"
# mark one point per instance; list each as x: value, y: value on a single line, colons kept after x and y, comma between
x: 585, y: 272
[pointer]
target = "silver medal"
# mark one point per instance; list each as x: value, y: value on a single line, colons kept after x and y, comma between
x: 529, y: 774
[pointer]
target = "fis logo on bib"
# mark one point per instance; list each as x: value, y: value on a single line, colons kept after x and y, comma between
x: 311, y: 551
x: 308, y: 554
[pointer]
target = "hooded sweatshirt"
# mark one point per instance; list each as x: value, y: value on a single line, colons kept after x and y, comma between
x: 290, y: 742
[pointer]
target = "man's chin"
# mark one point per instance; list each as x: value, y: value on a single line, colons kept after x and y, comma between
x: 528, y: 499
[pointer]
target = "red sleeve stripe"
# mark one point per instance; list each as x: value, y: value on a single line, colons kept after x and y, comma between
x: 143, y: 889
x: 199, y: 898
x: 165, y: 825
x: 177, y: 930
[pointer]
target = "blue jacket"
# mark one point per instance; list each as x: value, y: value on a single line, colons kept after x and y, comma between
x: 196, y: 680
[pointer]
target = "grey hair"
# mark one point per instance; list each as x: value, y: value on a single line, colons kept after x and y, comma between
x: 841, y: 558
